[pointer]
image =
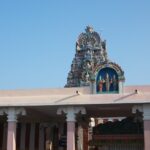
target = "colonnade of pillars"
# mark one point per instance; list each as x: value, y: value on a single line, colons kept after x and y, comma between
x: 70, y: 112
x: 12, y: 114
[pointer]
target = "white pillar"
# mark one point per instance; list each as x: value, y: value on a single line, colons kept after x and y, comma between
x: 12, y: 120
x: 32, y: 137
x: 70, y: 130
x: 23, y: 133
x: 70, y: 114
x: 11, y: 135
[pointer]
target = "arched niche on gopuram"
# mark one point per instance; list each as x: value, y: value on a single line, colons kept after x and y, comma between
x: 109, y: 79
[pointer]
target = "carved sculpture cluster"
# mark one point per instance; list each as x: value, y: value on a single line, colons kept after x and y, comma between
x: 90, y: 53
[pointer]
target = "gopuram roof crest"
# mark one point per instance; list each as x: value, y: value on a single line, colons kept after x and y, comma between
x: 91, y: 64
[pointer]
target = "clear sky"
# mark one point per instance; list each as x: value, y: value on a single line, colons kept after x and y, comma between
x: 37, y: 39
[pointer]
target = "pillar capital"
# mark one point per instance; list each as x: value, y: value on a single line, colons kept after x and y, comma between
x: 12, y: 113
x: 71, y: 111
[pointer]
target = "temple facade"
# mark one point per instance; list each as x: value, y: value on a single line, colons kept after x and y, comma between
x: 94, y: 111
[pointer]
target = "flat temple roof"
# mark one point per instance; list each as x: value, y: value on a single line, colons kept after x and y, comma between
x: 69, y: 96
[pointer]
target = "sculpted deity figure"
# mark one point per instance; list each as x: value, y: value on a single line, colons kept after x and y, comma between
x: 77, y: 46
x: 107, y: 82
x: 100, y: 84
x: 114, y: 83
x: 89, y: 65
x: 88, y: 55
x: 87, y: 77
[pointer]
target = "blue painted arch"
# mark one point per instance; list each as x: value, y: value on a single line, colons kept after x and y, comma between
x: 107, y: 81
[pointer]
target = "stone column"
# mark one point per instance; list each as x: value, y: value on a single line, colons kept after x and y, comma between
x: 70, y: 115
x: 11, y: 135
x: 146, y: 118
x: 71, y: 132
x: 12, y: 120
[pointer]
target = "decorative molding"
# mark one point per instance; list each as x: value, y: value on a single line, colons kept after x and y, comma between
x: 71, y: 112
x: 113, y: 66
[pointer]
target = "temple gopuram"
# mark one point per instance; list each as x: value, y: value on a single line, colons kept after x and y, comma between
x: 91, y: 66
x: 94, y: 111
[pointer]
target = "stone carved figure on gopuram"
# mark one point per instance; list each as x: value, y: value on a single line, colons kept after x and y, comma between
x: 90, y: 53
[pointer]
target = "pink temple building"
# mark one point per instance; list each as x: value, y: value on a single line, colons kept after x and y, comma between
x: 94, y: 111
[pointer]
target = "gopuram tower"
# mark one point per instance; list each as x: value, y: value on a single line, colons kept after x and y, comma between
x: 91, y: 66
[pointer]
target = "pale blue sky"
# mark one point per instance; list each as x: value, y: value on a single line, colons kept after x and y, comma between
x: 37, y: 39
